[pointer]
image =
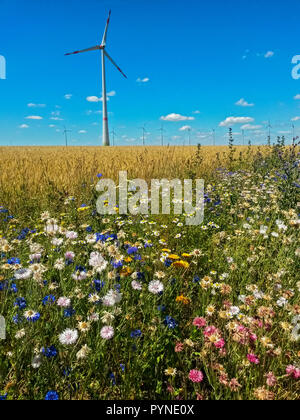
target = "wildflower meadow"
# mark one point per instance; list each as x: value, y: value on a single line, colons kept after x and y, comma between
x: 139, y: 307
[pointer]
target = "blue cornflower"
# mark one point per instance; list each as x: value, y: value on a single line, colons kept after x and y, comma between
x: 98, y: 284
x: 16, y: 319
x: 3, y: 397
x: 23, y: 234
x: 13, y: 261
x: 3, y: 285
x: 122, y: 366
x: 20, y: 302
x: 118, y: 287
x: 13, y: 288
x: 168, y: 262
x: 52, y: 396
x: 99, y: 175
x: 80, y: 268
x: 117, y: 264
x: 140, y: 275
x: 48, y: 300
x: 161, y: 308
x: 136, y: 334
x: 69, y: 312
x: 170, y: 322
x: 196, y: 279
x: 132, y: 250
x: 113, y: 378
x: 49, y: 352
x: 89, y: 229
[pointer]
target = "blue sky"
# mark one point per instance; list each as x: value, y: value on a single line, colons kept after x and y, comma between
x: 189, y: 63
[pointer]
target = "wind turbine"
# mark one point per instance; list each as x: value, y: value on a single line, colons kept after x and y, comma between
x: 102, y: 48
x: 269, y: 133
x: 162, y: 130
x: 114, y: 134
x: 66, y: 134
x: 214, y: 136
x: 144, y: 132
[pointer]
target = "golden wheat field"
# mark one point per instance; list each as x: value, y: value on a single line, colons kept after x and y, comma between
x: 35, y: 172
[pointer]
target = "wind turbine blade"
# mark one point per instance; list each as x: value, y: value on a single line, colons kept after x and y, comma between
x: 97, y: 47
x: 108, y: 56
x: 106, y: 28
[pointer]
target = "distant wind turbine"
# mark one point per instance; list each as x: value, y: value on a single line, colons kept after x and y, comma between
x: 102, y: 47
x: 66, y: 135
x: 269, y: 133
x: 144, y: 132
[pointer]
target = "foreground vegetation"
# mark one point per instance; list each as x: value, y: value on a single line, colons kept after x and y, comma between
x: 139, y: 307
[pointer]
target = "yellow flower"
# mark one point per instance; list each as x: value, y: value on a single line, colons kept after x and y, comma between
x: 173, y: 257
x: 126, y: 271
x: 81, y: 209
x: 183, y: 299
x: 181, y: 264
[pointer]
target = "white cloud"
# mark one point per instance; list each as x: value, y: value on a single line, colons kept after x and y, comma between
x: 96, y: 99
x: 56, y: 119
x: 33, y: 117
x: 93, y: 99
x: 176, y: 117
x: 251, y: 127
x: 236, y: 120
x: 269, y: 54
x: 112, y: 93
x: 295, y: 119
x: 297, y: 97
x: 243, y: 102
x: 51, y: 125
x: 82, y: 131
x: 185, y: 128
x: 68, y: 96
x: 197, y: 112
x: 144, y: 80
x: 24, y: 126
x: 31, y: 105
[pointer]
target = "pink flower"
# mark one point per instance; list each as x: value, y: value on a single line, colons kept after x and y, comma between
x: 271, y: 379
x: 253, y: 337
x: 253, y: 358
x: 293, y: 371
x: 199, y: 322
x: 178, y: 347
x: 107, y: 333
x: 196, y: 375
x: 64, y: 302
x: 210, y: 331
x: 220, y: 343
